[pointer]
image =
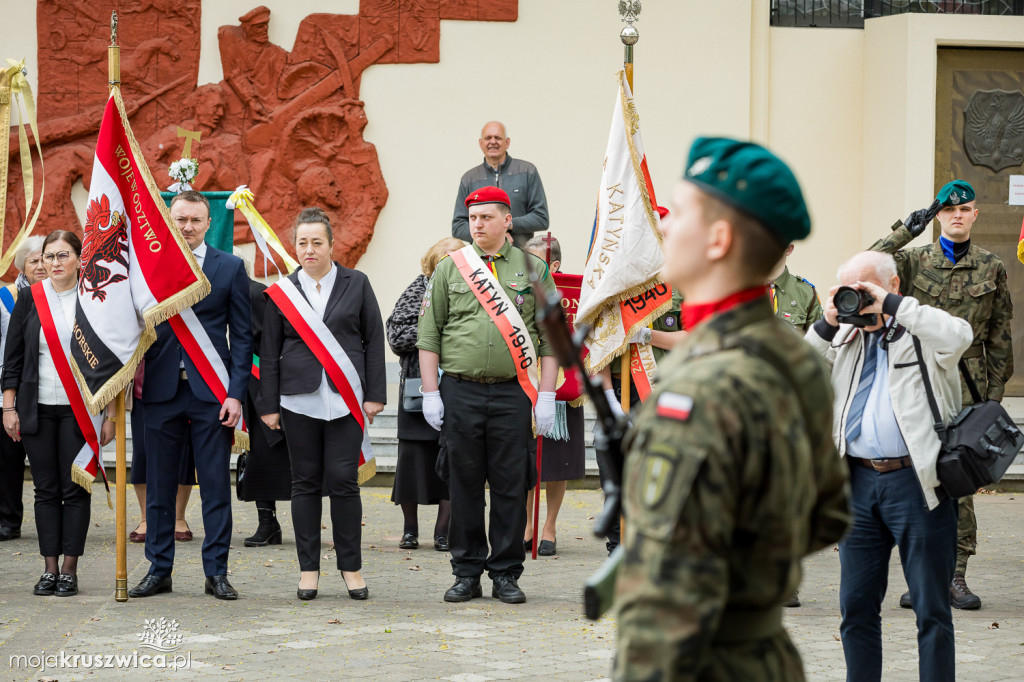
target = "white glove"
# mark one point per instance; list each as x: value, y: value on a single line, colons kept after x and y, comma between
x: 544, y: 413
x: 433, y: 409
x: 613, y: 402
x: 643, y: 335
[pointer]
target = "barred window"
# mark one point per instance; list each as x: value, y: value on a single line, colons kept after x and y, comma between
x: 852, y: 13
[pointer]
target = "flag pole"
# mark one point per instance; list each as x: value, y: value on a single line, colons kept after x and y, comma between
x: 120, y: 526
x: 629, y: 10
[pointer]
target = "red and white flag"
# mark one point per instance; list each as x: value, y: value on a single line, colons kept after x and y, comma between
x: 621, y: 289
x: 137, y: 270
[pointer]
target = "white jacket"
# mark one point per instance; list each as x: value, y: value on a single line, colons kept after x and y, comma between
x: 943, y: 339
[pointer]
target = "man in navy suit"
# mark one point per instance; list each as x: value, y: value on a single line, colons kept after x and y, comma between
x: 179, y: 402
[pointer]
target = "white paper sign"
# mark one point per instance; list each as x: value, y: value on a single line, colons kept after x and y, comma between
x: 1017, y: 190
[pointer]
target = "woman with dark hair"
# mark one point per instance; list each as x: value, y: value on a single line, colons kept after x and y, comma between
x: 39, y: 392
x: 416, y: 481
x: 322, y: 371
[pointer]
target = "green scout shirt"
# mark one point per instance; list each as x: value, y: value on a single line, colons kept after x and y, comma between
x: 454, y: 325
x: 797, y: 300
x: 731, y: 478
x: 974, y: 289
x: 671, y: 321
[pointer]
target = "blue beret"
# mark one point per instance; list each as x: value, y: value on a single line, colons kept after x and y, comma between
x: 954, y: 193
x: 752, y: 179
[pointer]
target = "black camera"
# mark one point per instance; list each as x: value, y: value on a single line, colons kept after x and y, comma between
x: 849, y: 302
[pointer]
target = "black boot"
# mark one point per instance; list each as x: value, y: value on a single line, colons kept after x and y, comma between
x: 268, y: 532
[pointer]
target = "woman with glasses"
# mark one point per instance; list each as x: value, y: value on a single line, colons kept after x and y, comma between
x: 37, y: 410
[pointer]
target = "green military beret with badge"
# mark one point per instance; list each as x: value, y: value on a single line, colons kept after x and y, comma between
x: 955, y: 193
x: 750, y: 178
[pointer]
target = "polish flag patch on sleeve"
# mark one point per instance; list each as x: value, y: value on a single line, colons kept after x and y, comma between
x: 675, y: 406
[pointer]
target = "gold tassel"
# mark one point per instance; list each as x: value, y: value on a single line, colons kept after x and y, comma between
x: 367, y: 471
x: 81, y: 477
x: 241, y: 442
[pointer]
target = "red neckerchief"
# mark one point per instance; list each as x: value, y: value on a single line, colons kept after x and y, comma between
x: 695, y: 313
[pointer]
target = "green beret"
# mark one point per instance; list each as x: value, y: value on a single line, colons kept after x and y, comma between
x: 954, y: 193
x: 752, y: 179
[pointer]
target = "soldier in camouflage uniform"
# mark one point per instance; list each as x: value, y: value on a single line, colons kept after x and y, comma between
x: 732, y: 475
x: 794, y: 299
x: 969, y: 282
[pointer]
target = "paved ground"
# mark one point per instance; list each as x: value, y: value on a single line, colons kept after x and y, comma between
x: 406, y: 632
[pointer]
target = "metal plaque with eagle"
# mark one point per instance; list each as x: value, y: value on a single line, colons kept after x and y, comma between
x: 994, y: 129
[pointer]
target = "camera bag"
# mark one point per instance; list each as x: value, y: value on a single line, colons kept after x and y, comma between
x: 978, y: 445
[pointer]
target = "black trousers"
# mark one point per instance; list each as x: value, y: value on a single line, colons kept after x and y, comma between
x: 487, y: 439
x: 325, y: 460
x: 62, y: 506
x: 12, y: 477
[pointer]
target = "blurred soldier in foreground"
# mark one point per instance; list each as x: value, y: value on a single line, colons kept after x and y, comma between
x: 732, y: 475
x: 968, y: 282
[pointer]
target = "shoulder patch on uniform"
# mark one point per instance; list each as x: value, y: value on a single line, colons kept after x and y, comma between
x: 675, y: 406
x: 805, y: 281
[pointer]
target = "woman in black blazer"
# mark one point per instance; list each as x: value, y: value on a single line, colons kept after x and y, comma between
x: 324, y: 439
x: 36, y: 409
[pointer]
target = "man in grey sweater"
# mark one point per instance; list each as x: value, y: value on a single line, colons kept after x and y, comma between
x: 517, y: 177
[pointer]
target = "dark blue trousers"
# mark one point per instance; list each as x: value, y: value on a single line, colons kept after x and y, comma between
x: 168, y: 424
x: 890, y: 508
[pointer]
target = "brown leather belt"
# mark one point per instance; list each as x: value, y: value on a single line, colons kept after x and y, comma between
x: 478, y: 380
x: 884, y: 466
x: 974, y: 352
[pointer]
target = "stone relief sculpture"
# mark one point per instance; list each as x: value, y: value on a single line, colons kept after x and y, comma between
x: 994, y: 129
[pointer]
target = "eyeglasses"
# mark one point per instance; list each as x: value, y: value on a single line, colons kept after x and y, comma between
x: 61, y: 256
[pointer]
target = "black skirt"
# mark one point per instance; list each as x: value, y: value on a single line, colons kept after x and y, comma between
x: 415, y: 479
x: 268, y: 471
x: 563, y: 460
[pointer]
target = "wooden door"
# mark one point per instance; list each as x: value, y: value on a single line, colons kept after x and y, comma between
x: 979, y: 136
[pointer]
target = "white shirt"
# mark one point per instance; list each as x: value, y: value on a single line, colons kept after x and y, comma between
x: 51, y: 391
x: 323, y: 403
x: 200, y: 254
x: 880, y: 435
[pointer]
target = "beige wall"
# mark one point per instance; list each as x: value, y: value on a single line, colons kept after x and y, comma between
x: 851, y: 110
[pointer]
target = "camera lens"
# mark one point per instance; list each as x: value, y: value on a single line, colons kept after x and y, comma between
x: 847, y: 301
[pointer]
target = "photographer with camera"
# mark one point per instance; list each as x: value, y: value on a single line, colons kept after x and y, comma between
x: 969, y: 282
x: 872, y: 339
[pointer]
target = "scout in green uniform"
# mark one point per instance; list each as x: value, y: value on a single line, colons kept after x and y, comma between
x: 969, y: 282
x: 481, y: 409
x: 794, y: 299
x: 732, y: 475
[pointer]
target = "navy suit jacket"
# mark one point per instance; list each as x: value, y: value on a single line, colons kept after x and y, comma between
x: 225, y: 313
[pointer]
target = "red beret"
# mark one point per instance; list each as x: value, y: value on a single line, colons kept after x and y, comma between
x: 662, y: 211
x: 488, y: 195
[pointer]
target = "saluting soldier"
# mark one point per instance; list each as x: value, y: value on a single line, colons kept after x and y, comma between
x: 478, y: 323
x: 732, y: 475
x: 967, y: 281
x: 794, y: 299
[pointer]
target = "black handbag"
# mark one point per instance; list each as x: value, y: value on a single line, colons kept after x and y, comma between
x: 412, y: 394
x: 240, y: 478
x: 980, y: 443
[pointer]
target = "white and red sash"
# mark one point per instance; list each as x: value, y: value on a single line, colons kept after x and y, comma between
x: 336, y: 362
x: 58, y: 338
x: 504, y: 314
x: 201, y: 351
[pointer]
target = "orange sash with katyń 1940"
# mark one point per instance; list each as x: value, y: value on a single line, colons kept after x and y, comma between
x: 641, y: 356
x: 504, y: 314
x: 336, y: 362
x: 58, y: 339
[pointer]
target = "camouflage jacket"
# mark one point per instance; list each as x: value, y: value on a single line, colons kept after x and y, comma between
x: 732, y: 477
x: 973, y: 289
x: 796, y: 300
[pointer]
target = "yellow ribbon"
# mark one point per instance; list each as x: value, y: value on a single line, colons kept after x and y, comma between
x: 242, y: 199
x: 15, y: 87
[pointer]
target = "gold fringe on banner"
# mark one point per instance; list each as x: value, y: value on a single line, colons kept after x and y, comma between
x: 367, y: 471
x: 81, y: 477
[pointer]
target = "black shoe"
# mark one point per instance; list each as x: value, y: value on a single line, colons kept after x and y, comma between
x: 306, y: 595
x: 46, y: 586
x: 150, y: 585
x: 409, y: 541
x: 793, y: 602
x: 961, y: 597
x: 359, y: 594
x: 441, y: 544
x: 219, y: 587
x: 507, y: 590
x: 547, y: 548
x: 67, y: 585
x: 268, y: 532
x: 464, y: 589
x: 8, y: 533
x: 905, y: 600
